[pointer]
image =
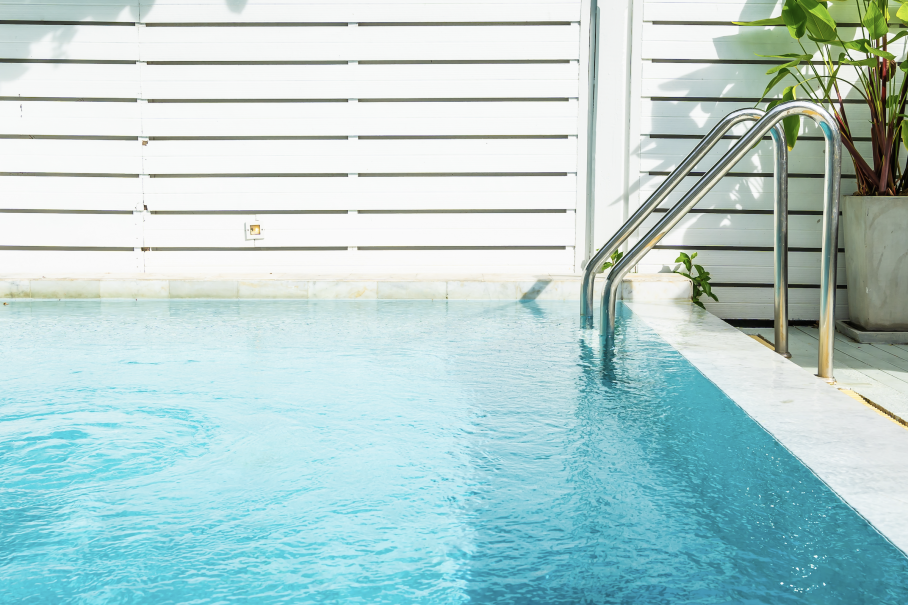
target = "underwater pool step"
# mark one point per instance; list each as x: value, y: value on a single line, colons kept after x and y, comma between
x: 640, y: 287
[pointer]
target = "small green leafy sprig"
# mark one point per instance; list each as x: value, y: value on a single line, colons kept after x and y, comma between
x: 616, y: 256
x: 700, y: 281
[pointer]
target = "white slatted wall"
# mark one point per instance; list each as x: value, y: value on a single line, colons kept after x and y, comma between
x: 398, y: 137
x: 691, y: 67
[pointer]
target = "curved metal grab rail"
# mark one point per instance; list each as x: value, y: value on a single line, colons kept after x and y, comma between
x: 831, y: 199
x: 672, y: 181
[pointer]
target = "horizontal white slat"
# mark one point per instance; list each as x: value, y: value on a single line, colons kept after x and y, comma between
x: 726, y: 259
x: 749, y: 274
x: 740, y: 230
x: 69, y: 262
x: 324, y: 230
x: 105, y: 81
x: 70, y: 193
x: 745, y: 81
x: 757, y: 303
x: 390, y: 193
x: 85, y: 42
x: 83, y: 230
x: 737, y: 10
x: 807, y: 157
x: 360, y: 119
x: 68, y: 118
x: 360, y: 43
x: 61, y: 10
x: 735, y: 266
x: 706, y: 114
x: 680, y: 117
x: 357, y: 156
x: 70, y: 156
x: 206, y: 11
x: 725, y: 42
x: 747, y: 193
x: 378, y: 262
x: 384, y: 81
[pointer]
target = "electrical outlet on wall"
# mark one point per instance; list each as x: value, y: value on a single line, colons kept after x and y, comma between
x: 255, y: 230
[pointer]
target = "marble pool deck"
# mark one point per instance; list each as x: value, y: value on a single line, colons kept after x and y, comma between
x: 876, y: 372
x: 859, y: 453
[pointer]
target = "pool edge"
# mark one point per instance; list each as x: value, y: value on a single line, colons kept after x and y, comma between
x: 860, y: 455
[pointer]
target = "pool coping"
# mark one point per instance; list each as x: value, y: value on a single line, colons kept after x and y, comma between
x: 861, y: 455
x: 640, y: 286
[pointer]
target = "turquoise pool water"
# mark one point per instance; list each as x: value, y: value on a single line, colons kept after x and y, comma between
x: 398, y: 452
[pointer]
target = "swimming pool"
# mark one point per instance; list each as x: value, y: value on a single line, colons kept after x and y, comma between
x: 396, y: 452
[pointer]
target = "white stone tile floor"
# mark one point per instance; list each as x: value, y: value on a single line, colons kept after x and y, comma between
x: 878, y: 372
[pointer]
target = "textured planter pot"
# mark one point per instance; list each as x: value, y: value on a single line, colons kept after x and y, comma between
x: 876, y: 261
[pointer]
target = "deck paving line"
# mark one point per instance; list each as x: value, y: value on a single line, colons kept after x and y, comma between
x: 875, y: 359
x: 858, y: 453
x: 893, y: 350
x: 804, y: 352
x: 864, y: 348
x: 873, y: 350
x: 850, y: 373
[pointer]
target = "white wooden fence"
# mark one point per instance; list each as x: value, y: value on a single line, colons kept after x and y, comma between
x: 369, y: 136
x: 690, y: 67
x: 366, y: 136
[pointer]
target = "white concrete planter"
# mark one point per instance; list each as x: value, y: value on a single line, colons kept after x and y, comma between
x: 876, y: 261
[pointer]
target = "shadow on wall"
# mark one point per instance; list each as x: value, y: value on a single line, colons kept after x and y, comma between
x: 695, y: 78
x: 50, y: 29
x: 236, y: 6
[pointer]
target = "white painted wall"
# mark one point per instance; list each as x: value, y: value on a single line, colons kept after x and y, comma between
x: 404, y: 137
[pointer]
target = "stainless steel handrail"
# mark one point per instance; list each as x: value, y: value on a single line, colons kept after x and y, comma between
x: 780, y: 237
x: 592, y: 121
x: 831, y: 200
x: 672, y: 181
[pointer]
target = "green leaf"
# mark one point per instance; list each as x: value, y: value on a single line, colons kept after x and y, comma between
x: 616, y: 256
x: 786, y: 56
x: 761, y: 22
x: 904, y: 65
x: 879, y: 53
x: 784, y: 66
x: 792, y: 124
x: 903, y: 13
x: 860, y: 45
x: 772, y: 83
x: 905, y: 134
x: 699, y: 283
x: 899, y: 35
x: 795, y: 18
x: 862, y: 62
x: 819, y: 22
x: 875, y: 21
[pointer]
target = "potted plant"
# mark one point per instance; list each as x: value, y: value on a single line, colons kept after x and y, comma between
x: 871, y: 65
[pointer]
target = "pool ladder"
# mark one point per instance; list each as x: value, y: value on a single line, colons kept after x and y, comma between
x: 766, y: 123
